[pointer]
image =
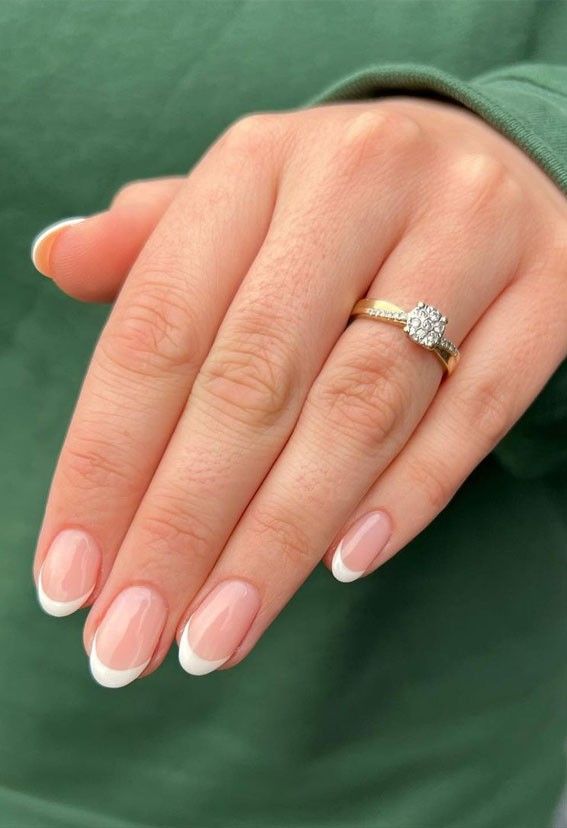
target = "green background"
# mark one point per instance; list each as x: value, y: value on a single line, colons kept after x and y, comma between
x: 431, y: 695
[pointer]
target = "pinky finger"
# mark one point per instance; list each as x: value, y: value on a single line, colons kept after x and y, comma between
x: 502, y: 369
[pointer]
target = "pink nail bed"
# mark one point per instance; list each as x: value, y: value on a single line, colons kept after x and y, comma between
x: 69, y: 572
x: 127, y: 636
x: 218, y: 626
x: 363, y: 542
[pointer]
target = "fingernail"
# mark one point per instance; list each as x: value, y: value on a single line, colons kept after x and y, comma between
x: 127, y: 636
x: 363, y: 542
x: 218, y: 626
x: 43, y: 242
x: 69, y: 572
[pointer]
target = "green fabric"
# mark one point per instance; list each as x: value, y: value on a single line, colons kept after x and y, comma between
x: 428, y: 696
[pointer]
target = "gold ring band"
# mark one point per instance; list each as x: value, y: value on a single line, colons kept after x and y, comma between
x: 424, y: 325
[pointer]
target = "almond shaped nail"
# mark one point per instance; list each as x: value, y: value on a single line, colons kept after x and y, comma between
x: 218, y: 626
x: 360, y: 546
x: 109, y: 677
x: 69, y: 572
x: 193, y: 663
x: 127, y: 636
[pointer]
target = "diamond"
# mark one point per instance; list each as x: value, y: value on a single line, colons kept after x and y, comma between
x: 425, y: 325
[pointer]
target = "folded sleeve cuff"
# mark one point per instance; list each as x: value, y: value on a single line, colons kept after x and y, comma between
x: 512, y: 101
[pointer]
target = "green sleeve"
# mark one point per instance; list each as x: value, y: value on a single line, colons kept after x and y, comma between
x: 528, y: 104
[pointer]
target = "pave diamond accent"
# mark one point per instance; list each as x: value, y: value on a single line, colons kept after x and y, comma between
x: 426, y: 325
x: 448, y: 346
x: 399, y: 316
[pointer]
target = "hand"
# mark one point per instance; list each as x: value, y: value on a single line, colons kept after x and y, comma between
x: 231, y: 430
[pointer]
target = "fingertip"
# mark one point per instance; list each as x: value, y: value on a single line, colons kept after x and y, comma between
x: 92, y: 262
x: 191, y: 662
x: 341, y: 571
x: 110, y: 677
x: 58, y: 609
x: 42, y: 244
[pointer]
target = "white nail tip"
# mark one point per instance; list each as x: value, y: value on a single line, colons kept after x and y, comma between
x: 58, y: 608
x: 191, y: 662
x: 107, y: 677
x: 341, y: 571
x: 50, y: 229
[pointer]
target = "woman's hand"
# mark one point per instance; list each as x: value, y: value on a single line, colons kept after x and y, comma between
x: 231, y: 430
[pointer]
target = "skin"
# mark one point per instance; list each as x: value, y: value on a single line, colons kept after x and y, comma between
x: 229, y: 426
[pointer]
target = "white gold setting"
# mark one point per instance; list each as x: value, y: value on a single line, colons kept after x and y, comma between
x: 424, y: 325
x: 397, y: 316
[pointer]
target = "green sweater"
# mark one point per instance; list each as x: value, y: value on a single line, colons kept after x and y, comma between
x: 431, y: 695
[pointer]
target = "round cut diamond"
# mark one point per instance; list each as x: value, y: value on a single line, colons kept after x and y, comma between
x: 425, y: 325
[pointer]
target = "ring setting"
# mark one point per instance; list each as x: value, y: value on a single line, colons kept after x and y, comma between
x: 424, y: 324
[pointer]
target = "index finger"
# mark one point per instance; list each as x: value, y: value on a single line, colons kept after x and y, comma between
x: 150, y: 350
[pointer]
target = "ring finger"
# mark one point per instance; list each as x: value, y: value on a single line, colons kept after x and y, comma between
x: 470, y: 415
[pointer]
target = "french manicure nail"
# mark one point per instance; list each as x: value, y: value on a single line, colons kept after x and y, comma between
x: 127, y: 636
x: 363, y: 542
x: 218, y: 626
x: 43, y: 242
x: 69, y: 572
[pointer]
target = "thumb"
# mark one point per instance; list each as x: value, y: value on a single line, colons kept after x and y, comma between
x: 90, y: 257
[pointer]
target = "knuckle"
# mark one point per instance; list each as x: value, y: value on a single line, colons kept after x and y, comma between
x: 133, y: 190
x: 364, y: 397
x: 556, y: 240
x: 252, y: 379
x: 252, y: 134
x: 155, y: 331
x: 428, y: 477
x: 550, y: 253
x: 485, y: 405
x: 512, y: 194
x: 377, y: 134
x: 168, y: 527
x: 282, y: 533
x: 482, y: 179
x: 91, y: 463
x: 543, y: 257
